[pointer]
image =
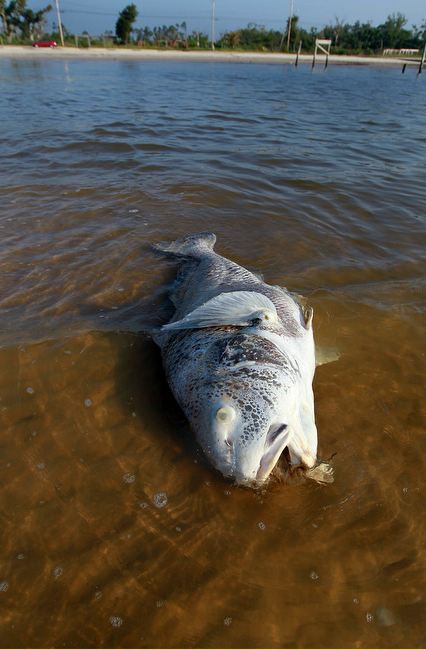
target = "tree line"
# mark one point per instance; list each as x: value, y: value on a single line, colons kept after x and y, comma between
x: 162, y: 36
x: 356, y: 38
x: 21, y: 24
x: 362, y: 38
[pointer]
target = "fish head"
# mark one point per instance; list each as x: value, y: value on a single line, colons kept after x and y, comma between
x: 252, y: 407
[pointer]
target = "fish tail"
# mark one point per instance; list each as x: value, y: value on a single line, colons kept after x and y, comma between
x: 195, y: 245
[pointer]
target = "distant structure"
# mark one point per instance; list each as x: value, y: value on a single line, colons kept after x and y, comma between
x: 421, y: 62
x: 324, y: 45
x: 86, y: 36
x: 402, y: 51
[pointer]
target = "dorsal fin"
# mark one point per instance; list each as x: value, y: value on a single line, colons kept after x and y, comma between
x: 237, y: 308
x: 195, y: 245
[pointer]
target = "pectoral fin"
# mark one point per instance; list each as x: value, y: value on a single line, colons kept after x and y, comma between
x: 237, y: 308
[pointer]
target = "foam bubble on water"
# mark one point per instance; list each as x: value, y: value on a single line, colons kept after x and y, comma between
x: 20, y: 556
x: 227, y: 621
x: 57, y: 572
x: 33, y: 433
x: 314, y: 575
x: 4, y: 585
x: 159, y: 603
x: 133, y: 211
x: 179, y: 529
x: 88, y: 402
x: 129, y: 478
x: 40, y: 465
x: 29, y: 390
x: 160, y: 499
x: 370, y: 617
x: 355, y: 601
x: 143, y: 505
x: 261, y: 525
x: 98, y: 595
x: 116, y: 621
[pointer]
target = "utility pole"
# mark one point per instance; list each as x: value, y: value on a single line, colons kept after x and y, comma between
x: 61, y: 34
x: 213, y: 21
x: 289, y: 24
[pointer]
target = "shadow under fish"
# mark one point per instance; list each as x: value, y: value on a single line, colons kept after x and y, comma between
x: 239, y: 357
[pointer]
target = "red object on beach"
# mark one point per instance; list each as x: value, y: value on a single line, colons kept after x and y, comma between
x: 45, y: 44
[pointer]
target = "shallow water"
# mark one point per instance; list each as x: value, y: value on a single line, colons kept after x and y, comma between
x: 114, y: 530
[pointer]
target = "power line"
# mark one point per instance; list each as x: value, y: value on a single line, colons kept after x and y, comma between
x: 289, y: 24
x: 213, y: 21
x: 221, y: 18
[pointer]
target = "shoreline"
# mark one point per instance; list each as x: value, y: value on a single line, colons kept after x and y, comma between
x: 29, y: 52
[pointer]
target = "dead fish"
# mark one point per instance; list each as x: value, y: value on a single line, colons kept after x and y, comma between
x: 239, y: 357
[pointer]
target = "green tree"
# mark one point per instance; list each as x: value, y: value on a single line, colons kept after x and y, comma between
x: 198, y: 39
x: 32, y: 21
x: 3, y: 16
x: 252, y: 37
x: 420, y: 33
x: 125, y: 22
x: 18, y: 19
x: 11, y: 16
x: 144, y: 34
x: 294, y: 33
x: 393, y: 33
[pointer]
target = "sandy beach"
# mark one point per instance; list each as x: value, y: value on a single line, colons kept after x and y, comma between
x: 17, y: 51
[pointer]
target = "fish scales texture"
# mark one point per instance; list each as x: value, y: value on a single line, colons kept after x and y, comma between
x: 239, y: 358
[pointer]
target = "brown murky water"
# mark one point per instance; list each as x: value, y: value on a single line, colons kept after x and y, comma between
x: 114, y: 530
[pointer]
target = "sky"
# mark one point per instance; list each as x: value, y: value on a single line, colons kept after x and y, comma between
x: 97, y: 16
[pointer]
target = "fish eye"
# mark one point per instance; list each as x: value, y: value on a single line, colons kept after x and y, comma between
x: 225, y: 414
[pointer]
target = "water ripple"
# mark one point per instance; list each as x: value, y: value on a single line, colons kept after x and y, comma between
x: 116, y: 532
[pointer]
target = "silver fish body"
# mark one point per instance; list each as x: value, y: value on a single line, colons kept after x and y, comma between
x: 239, y: 357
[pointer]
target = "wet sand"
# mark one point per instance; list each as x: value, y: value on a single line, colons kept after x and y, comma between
x: 112, y: 53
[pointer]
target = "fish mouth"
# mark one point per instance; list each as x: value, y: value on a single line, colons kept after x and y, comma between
x: 270, y: 459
